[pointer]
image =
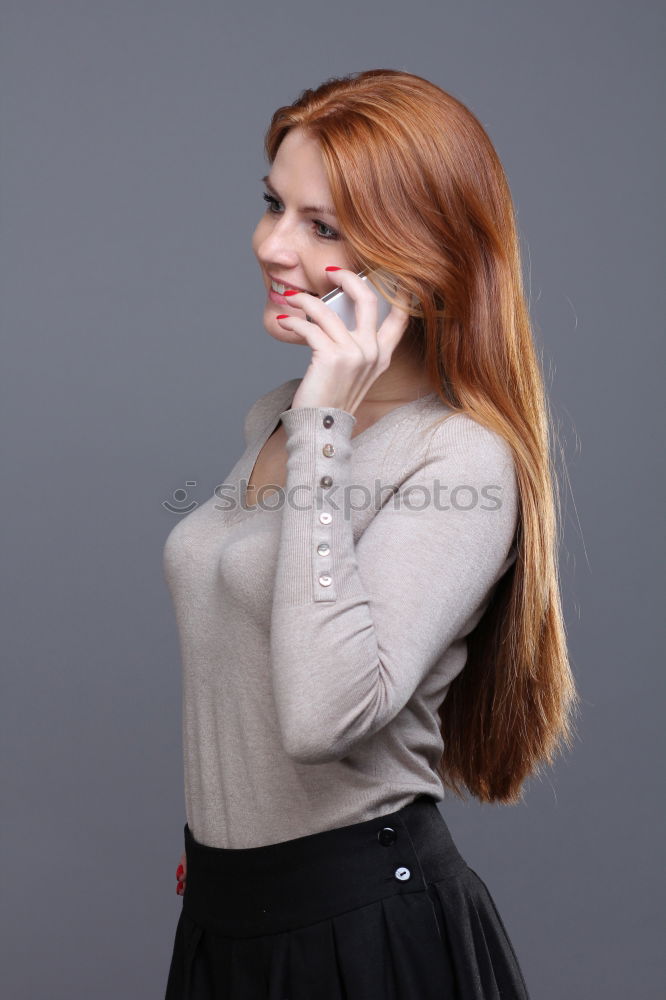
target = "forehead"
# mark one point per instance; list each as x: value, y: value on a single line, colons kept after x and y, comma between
x: 298, y: 168
x: 299, y: 148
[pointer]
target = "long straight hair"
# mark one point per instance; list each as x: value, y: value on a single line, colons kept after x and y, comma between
x: 420, y: 192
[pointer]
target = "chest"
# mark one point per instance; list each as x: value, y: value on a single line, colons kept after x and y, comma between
x: 270, y: 468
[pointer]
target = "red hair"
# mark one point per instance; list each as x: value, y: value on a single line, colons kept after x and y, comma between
x: 420, y: 192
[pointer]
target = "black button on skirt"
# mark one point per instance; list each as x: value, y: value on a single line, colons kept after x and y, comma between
x: 386, y: 909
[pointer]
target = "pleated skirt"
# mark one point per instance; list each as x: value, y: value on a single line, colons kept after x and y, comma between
x: 386, y: 909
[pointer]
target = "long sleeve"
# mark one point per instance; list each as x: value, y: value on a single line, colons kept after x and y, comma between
x: 356, y: 628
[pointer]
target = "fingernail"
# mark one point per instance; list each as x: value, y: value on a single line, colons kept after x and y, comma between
x: 282, y: 317
x: 292, y: 291
x: 332, y: 268
x: 179, y: 887
x: 179, y: 871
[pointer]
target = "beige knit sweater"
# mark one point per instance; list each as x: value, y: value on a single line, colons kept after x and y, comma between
x: 320, y: 629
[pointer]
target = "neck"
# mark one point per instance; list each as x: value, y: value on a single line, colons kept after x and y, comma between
x: 404, y: 379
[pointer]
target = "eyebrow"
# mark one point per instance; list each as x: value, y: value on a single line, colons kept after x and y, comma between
x: 317, y: 209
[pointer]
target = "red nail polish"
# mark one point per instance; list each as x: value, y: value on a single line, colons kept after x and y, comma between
x: 282, y: 317
x: 179, y: 871
x: 332, y: 268
x: 292, y: 291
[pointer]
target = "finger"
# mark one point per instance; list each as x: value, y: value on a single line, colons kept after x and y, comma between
x: 323, y: 315
x: 363, y: 296
x: 392, y: 329
x: 314, y: 336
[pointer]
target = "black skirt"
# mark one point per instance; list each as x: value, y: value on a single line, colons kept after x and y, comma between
x: 386, y: 909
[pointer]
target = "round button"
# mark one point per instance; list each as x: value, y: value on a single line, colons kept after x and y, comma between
x: 328, y: 420
x: 325, y: 581
x: 387, y: 836
x: 403, y: 874
x: 325, y: 517
x: 323, y: 548
x: 328, y: 450
x: 325, y: 481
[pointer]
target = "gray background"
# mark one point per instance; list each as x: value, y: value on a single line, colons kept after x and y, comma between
x: 131, y: 150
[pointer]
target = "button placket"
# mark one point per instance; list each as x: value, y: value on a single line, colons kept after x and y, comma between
x: 387, y: 837
x: 324, y: 582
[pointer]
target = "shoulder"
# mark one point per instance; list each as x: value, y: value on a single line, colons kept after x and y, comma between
x: 464, y: 455
x: 268, y: 406
x: 460, y: 440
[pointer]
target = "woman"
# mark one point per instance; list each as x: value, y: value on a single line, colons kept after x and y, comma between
x: 345, y: 660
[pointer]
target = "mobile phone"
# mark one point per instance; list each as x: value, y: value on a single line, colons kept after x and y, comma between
x: 345, y: 307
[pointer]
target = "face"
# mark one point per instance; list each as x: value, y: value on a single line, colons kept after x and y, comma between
x: 294, y: 246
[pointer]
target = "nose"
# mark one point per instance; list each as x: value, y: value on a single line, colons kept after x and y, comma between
x: 280, y: 247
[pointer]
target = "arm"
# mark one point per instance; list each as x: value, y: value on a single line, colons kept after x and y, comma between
x: 347, y: 655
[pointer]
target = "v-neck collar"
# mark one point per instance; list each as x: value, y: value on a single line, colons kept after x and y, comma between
x: 249, y: 459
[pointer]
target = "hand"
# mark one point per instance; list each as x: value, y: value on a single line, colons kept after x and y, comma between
x: 344, y: 363
x: 181, y: 875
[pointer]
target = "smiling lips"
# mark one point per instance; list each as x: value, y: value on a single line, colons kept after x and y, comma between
x: 290, y: 288
x: 281, y: 300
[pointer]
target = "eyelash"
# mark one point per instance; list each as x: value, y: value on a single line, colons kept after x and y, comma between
x: 273, y: 201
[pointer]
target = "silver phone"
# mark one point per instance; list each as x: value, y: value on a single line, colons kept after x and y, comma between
x: 345, y: 307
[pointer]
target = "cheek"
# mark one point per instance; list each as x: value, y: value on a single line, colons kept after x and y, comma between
x: 325, y: 281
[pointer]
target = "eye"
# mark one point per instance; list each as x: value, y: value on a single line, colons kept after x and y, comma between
x: 271, y: 201
x: 271, y: 209
x: 333, y: 235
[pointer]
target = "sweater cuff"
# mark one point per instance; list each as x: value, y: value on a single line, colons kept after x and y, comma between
x: 317, y: 560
